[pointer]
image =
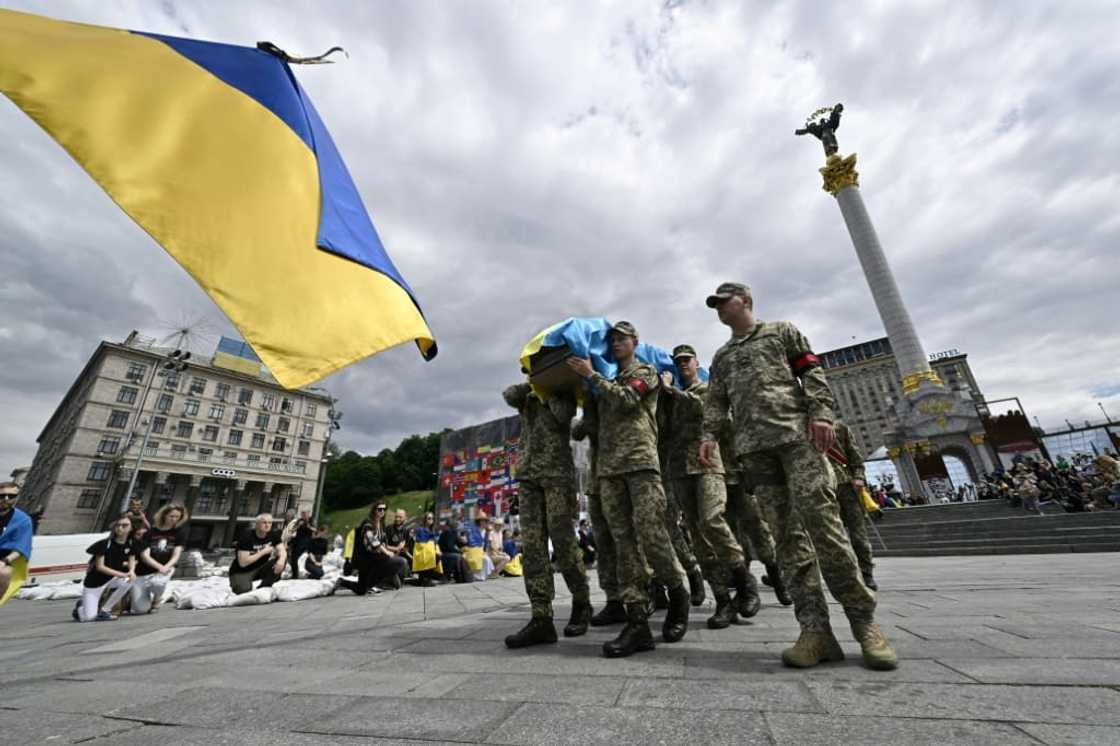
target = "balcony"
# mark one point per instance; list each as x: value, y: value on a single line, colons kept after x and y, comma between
x: 239, y: 462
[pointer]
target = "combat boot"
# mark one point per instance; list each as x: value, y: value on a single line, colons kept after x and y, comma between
x: 869, y: 581
x: 696, y: 587
x: 538, y: 631
x: 773, y: 578
x: 812, y: 648
x: 725, y: 612
x: 877, y: 652
x: 581, y: 617
x: 658, y: 596
x: 635, y: 636
x: 747, y: 602
x: 613, y: 613
x: 676, y: 618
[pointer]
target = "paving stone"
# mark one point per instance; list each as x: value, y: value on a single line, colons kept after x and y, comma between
x: 1039, y: 704
x: 204, y: 706
x: 186, y: 736
x: 568, y: 660
x: 382, y: 684
x: 767, y: 662
x: 827, y: 730
x: 561, y: 725
x: 1073, y: 735
x: 546, y: 689
x: 96, y: 697
x: 386, y: 717
x: 788, y: 696
x: 1074, y: 671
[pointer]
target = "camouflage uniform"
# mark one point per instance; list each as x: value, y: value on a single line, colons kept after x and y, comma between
x: 755, y: 379
x: 605, y: 551
x: 546, y: 478
x: 699, y: 489
x: 851, y: 504
x: 744, y: 515
x: 632, y: 495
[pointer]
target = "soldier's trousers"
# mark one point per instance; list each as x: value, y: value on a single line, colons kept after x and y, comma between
x: 548, y: 510
x: 635, y: 506
x: 855, y: 520
x: 796, y: 488
x: 703, y: 497
x: 681, y: 544
x: 752, y: 530
x: 606, y: 559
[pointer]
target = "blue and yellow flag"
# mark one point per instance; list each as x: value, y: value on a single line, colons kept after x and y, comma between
x: 217, y: 152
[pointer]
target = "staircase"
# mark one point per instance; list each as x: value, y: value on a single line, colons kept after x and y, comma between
x: 992, y: 527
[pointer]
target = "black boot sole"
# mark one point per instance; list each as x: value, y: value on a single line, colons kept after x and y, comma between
x: 608, y: 653
x: 713, y: 624
x: 520, y: 645
x: 579, y: 631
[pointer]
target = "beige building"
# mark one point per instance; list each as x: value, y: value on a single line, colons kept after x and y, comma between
x: 866, y: 381
x: 224, y: 438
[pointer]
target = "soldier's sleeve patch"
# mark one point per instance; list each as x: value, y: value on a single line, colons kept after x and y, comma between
x: 802, y: 363
x: 638, y: 385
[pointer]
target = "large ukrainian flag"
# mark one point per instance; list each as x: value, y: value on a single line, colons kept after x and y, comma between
x: 217, y: 152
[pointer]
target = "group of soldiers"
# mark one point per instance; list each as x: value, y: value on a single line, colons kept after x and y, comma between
x: 752, y: 451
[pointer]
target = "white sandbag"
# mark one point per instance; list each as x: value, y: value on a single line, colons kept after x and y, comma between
x: 67, y: 591
x: 253, y: 598
x: 300, y: 590
x: 36, y: 593
x: 204, y: 598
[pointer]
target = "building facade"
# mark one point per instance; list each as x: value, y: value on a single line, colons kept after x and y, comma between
x: 223, y: 438
x: 866, y: 380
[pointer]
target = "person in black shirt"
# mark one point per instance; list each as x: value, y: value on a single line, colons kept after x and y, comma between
x: 301, y: 532
x: 313, y: 559
x: 158, y: 556
x: 587, y: 542
x: 374, y: 561
x: 112, y: 569
x: 261, y: 555
x: 450, y: 553
x: 398, y: 540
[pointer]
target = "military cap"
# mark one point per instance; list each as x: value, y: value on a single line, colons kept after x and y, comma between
x: 683, y: 351
x: 625, y: 327
x: 728, y: 290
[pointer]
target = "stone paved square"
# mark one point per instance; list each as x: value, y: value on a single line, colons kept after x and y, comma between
x: 995, y: 650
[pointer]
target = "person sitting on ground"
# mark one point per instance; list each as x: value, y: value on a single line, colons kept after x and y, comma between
x: 112, y: 570
x: 16, y: 530
x: 374, y: 561
x: 475, y: 546
x: 157, y: 557
x: 313, y: 558
x: 298, y: 534
x: 261, y: 555
x: 427, y: 533
x: 398, y: 537
x: 494, y: 549
x: 451, y: 554
x: 511, y: 543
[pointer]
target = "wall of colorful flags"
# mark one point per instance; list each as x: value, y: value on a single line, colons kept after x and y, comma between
x: 478, y: 469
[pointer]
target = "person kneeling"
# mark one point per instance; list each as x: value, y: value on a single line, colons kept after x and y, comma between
x: 113, y: 569
x: 261, y: 555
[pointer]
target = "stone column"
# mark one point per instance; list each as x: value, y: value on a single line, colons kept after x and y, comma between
x: 234, y: 510
x: 842, y: 181
x: 192, y: 493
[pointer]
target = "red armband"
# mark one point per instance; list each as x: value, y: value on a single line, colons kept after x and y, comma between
x: 837, y: 456
x: 802, y: 364
x: 638, y: 385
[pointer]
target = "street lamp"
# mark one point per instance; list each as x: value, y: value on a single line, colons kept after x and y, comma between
x: 333, y: 417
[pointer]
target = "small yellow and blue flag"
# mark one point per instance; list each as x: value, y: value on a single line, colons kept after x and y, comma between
x: 218, y: 153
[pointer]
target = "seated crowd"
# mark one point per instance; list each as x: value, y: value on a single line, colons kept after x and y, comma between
x: 1079, y: 484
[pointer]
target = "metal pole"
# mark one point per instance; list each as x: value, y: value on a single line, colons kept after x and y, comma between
x: 131, y: 437
x: 1107, y: 419
x: 321, y: 477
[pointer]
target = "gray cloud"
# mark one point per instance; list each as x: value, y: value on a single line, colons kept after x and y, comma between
x: 524, y: 164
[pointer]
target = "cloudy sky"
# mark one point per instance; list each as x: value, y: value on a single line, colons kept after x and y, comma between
x: 525, y: 162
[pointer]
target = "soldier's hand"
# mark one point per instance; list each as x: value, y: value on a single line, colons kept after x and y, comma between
x: 666, y: 379
x: 858, y: 484
x: 707, y: 451
x: 821, y: 435
x: 581, y: 366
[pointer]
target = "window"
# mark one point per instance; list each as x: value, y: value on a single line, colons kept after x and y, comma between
x: 262, y: 420
x: 282, y: 424
x: 254, y: 460
x: 190, y: 409
x: 109, y: 444
x: 178, y: 450
x: 235, y: 437
x: 99, y: 471
x: 127, y: 395
x: 158, y: 424
x: 210, y: 433
x: 308, y: 430
x: 185, y: 429
x: 172, y: 381
x: 204, y: 454
x: 268, y: 401
x: 205, y: 496
x: 245, y: 396
x: 312, y: 409
x: 222, y: 391
x: 198, y: 386
x: 166, y: 492
x: 230, y: 457
x: 275, y: 463
x: 304, y: 448
x: 117, y: 419
x: 89, y: 499
x: 166, y: 401
x: 279, y: 444
x: 301, y: 467
x: 151, y: 448
x: 258, y: 440
x: 217, y: 411
x: 136, y: 372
